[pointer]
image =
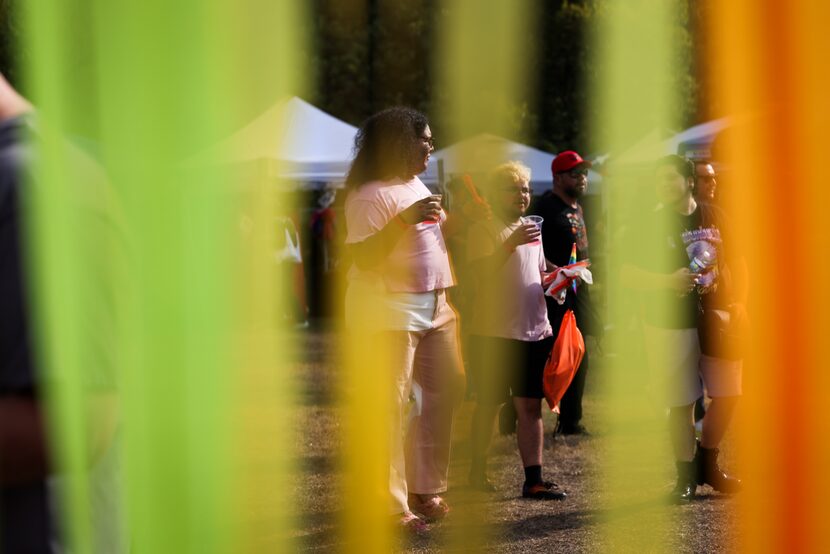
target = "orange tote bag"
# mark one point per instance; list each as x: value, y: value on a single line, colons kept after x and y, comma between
x: 563, y: 361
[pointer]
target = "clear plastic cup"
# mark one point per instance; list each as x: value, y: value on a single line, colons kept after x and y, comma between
x: 537, y: 220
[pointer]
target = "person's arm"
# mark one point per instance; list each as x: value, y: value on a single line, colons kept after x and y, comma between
x: 740, y: 273
x: 681, y: 281
x: 525, y: 234
x: 374, y: 249
x: 23, y: 449
x: 740, y: 276
x: 740, y: 280
x: 457, y: 223
x: 633, y: 276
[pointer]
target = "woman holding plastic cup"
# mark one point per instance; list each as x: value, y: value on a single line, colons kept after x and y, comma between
x: 396, y: 298
x: 510, y: 336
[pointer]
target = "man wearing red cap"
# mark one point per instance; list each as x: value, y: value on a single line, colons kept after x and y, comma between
x: 564, y: 227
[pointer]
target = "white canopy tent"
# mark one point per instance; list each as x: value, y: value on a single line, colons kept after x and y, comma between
x: 694, y: 142
x: 481, y: 153
x: 292, y: 140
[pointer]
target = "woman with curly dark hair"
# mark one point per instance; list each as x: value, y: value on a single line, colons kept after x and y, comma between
x: 396, y: 298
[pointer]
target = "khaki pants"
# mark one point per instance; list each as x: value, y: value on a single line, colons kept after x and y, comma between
x: 420, y: 443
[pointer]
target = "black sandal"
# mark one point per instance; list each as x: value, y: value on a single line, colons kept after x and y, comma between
x: 543, y: 491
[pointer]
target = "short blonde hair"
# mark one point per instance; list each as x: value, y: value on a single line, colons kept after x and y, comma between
x: 509, y: 172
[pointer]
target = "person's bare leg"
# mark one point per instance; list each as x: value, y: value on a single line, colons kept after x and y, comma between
x: 529, y: 435
x: 717, y: 420
x: 529, y: 432
x: 715, y: 424
x: 682, y: 432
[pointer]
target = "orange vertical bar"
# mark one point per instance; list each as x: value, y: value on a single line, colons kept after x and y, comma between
x: 766, y: 68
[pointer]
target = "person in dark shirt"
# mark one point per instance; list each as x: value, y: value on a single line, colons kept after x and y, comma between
x: 29, y: 481
x: 564, y: 230
x: 685, y: 269
x: 25, y: 524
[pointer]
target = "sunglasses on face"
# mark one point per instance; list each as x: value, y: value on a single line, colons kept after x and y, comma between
x: 576, y: 173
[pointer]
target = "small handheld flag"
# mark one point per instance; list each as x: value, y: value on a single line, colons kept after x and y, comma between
x: 572, y: 260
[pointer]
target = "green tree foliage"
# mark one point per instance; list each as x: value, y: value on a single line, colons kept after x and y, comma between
x: 565, y: 70
x: 371, y: 54
x: 10, y: 59
x: 378, y: 53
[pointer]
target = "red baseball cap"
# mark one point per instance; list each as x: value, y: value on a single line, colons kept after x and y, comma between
x: 566, y: 161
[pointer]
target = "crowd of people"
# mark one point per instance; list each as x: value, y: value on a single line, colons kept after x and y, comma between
x: 457, y: 296
x: 461, y: 290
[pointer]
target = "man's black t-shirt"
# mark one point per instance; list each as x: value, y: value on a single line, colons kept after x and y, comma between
x: 665, y: 241
x: 564, y: 226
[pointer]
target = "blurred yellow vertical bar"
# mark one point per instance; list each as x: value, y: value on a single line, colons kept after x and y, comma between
x: 481, y: 64
x: 637, y: 62
x: 766, y: 70
x: 366, y: 521
x: 262, y: 58
x: 365, y: 457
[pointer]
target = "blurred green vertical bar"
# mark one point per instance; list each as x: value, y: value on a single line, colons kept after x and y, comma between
x: 55, y: 231
x: 636, y: 57
x: 481, y: 63
x: 169, y: 78
x: 157, y: 98
x: 158, y: 101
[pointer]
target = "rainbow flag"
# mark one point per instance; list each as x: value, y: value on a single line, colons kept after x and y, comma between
x: 572, y: 260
